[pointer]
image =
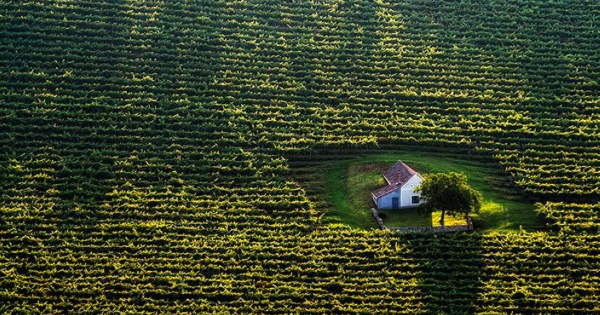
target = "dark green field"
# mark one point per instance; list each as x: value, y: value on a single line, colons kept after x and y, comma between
x: 159, y: 156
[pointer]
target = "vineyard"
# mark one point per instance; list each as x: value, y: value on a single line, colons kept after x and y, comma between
x: 341, y: 189
x: 146, y: 150
x: 579, y: 218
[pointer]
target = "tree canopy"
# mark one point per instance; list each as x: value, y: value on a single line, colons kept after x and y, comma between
x: 450, y: 193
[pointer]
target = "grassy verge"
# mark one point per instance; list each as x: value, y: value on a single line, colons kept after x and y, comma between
x: 348, y: 184
x: 412, y: 217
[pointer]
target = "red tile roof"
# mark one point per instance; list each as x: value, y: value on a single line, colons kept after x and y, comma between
x: 396, y: 176
x: 398, y: 173
x: 384, y: 190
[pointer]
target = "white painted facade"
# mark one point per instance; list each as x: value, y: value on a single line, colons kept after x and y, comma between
x: 408, y: 191
x: 404, y: 194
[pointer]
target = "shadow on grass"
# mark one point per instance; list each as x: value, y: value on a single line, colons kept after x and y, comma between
x: 405, y: 217
x: 345, y: 189
x: 343, y: 197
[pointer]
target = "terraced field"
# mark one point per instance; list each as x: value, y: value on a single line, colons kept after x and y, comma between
x: 145, y: 151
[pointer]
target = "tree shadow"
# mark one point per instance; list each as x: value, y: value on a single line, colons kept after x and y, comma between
x: 450, y: 267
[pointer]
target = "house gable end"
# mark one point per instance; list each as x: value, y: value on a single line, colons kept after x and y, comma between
x: 408, y: 191
x: 399, y: 192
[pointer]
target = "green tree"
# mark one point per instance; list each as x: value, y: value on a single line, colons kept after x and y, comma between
x: 449, y: 193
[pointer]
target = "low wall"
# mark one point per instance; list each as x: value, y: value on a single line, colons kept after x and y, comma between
x: 423, y: 229
x: 378, y: 219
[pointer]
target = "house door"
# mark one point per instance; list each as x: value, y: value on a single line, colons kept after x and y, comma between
x: 395, y: 202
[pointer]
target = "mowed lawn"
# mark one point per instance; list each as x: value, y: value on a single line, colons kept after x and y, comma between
x: 349, y: 184
x: 414, y: 217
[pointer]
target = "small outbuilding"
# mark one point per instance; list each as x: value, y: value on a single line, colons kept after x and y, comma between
x: 400, y: 191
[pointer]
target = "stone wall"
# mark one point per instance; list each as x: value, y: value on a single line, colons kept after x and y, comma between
x: 378, y: 218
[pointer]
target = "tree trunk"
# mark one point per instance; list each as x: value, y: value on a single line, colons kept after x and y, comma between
x: 442, y: 218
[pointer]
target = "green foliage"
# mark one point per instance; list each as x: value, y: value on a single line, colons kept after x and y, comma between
x: 346, y: 186
x: 145, y: 149
x: 449, y: 193
x: 571, y: 217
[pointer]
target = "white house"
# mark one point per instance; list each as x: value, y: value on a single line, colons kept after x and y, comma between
x: 400, y: 191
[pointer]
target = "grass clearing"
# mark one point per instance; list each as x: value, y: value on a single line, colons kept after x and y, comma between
x: 413, y: 217
x: 348, y: 184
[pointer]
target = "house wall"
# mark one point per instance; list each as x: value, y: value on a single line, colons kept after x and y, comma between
x: 408, y: 190
x: 385, y: 201
x: 404, y: 195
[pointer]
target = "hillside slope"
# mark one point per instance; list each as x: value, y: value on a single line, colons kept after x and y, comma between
x: 144, y: 151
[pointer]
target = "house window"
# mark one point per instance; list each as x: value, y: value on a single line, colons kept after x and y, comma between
x: 415, y: 199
